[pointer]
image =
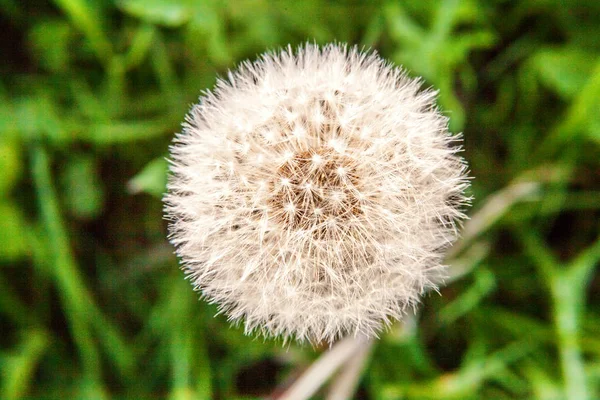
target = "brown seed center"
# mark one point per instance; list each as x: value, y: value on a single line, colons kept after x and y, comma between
x: 315, y: 189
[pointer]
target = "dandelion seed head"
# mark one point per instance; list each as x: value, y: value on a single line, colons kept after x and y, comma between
x: 312, y: 194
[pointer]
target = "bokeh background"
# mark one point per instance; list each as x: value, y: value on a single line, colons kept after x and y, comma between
x: 92, y: 303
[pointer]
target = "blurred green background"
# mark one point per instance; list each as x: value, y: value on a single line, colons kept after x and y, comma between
x: 92, y: 303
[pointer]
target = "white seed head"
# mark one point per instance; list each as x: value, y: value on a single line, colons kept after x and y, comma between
x: 312, y: 193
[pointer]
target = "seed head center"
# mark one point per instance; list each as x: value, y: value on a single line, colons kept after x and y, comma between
x: 321, y: 188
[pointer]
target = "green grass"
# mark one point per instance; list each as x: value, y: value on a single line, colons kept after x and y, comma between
x: 92, y: 303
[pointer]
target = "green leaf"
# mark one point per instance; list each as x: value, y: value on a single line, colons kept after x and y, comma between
x: 206, y: 33
x: 564, y: 70
x: 484, y: 284
x: 152, y: 179
x: 10, y: 165
x: 89, y: 17
x: 36, y: 117
x: 140, y: 45
x: 50, y: 42
x: 83, y: 192
x: 18, y: 369
x: 594, y: 128
x: 13, y: 232
x: 438, y: 53
x: 171, y: 13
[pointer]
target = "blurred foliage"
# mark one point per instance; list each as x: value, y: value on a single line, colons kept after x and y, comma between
x: 92, y: 303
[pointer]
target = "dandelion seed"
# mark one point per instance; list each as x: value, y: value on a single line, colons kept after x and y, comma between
x: 312, y: 194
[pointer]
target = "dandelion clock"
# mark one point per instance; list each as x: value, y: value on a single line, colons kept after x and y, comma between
x: 313, y: 193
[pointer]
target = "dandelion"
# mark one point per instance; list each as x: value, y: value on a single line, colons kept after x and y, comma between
x: 312, y: 194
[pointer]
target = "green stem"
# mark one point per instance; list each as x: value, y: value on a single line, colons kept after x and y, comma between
x: 75, y: 299
x: 87, y: 19
x: 567, y: 305
x: 567, y: 284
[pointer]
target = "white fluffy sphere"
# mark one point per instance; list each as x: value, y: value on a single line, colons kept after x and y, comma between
x: 312, y: 193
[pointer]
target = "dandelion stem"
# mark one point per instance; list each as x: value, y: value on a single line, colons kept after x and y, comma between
x: 345, y: 383
x: 492, y: 210
x: 322, y: 369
